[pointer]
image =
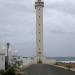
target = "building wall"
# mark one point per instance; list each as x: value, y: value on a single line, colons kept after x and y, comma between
x: 2, y: 62
x: 50, y: 61
x: 27, y: 61
x: 2, y: 57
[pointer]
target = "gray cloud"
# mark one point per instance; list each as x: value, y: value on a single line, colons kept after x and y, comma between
x: 57, y: 31
x: 17, y: 26
x: 66, y: 6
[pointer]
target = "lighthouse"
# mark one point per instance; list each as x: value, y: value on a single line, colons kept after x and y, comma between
x: 39, y: 4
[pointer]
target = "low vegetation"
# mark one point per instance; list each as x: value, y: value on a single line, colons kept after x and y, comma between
x: 10, y: 71
x: 68, y: 65
x: 14, y: 69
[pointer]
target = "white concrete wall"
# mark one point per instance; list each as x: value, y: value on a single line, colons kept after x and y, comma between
x: 50, y: 61
x: 2, y: 58
x: 2, y: 62
x: 34, y: 61
x: 27, y: 61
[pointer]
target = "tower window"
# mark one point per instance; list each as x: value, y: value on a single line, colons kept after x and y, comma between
x: 39, y: 49
x: 39, y: 0
x: 39, y: 40
x: 39, y: 8
x: 39, y: 52
x: 39, y: 16
x: 39, y: 32
x: 39, y: 24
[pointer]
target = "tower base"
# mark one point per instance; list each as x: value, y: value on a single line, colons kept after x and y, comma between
x: 40, y: 60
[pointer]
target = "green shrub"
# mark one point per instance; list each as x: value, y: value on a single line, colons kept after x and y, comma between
x: 56, y: 63
x: 1, y: 72
x: 9, y: 72
x: 68, y: 66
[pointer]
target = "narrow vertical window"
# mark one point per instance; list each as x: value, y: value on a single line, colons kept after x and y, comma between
x: 39, y: 8
x: 39, y: 40
x: 39, y: 52
x: 39, y: 16
x: 39, y: 32
x: 39, y: 48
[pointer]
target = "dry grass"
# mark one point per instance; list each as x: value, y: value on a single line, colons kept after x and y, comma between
x: 71, y: 65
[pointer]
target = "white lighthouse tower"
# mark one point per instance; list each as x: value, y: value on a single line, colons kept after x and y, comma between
x: 39, y: 4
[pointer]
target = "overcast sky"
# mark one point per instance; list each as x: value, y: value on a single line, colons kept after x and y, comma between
x: 18, y: 26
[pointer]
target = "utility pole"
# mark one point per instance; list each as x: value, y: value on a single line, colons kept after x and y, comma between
x: 8, y: 44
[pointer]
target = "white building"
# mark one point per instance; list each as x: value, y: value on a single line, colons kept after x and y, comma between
x: 2, y: 58
x: 2, y: 61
